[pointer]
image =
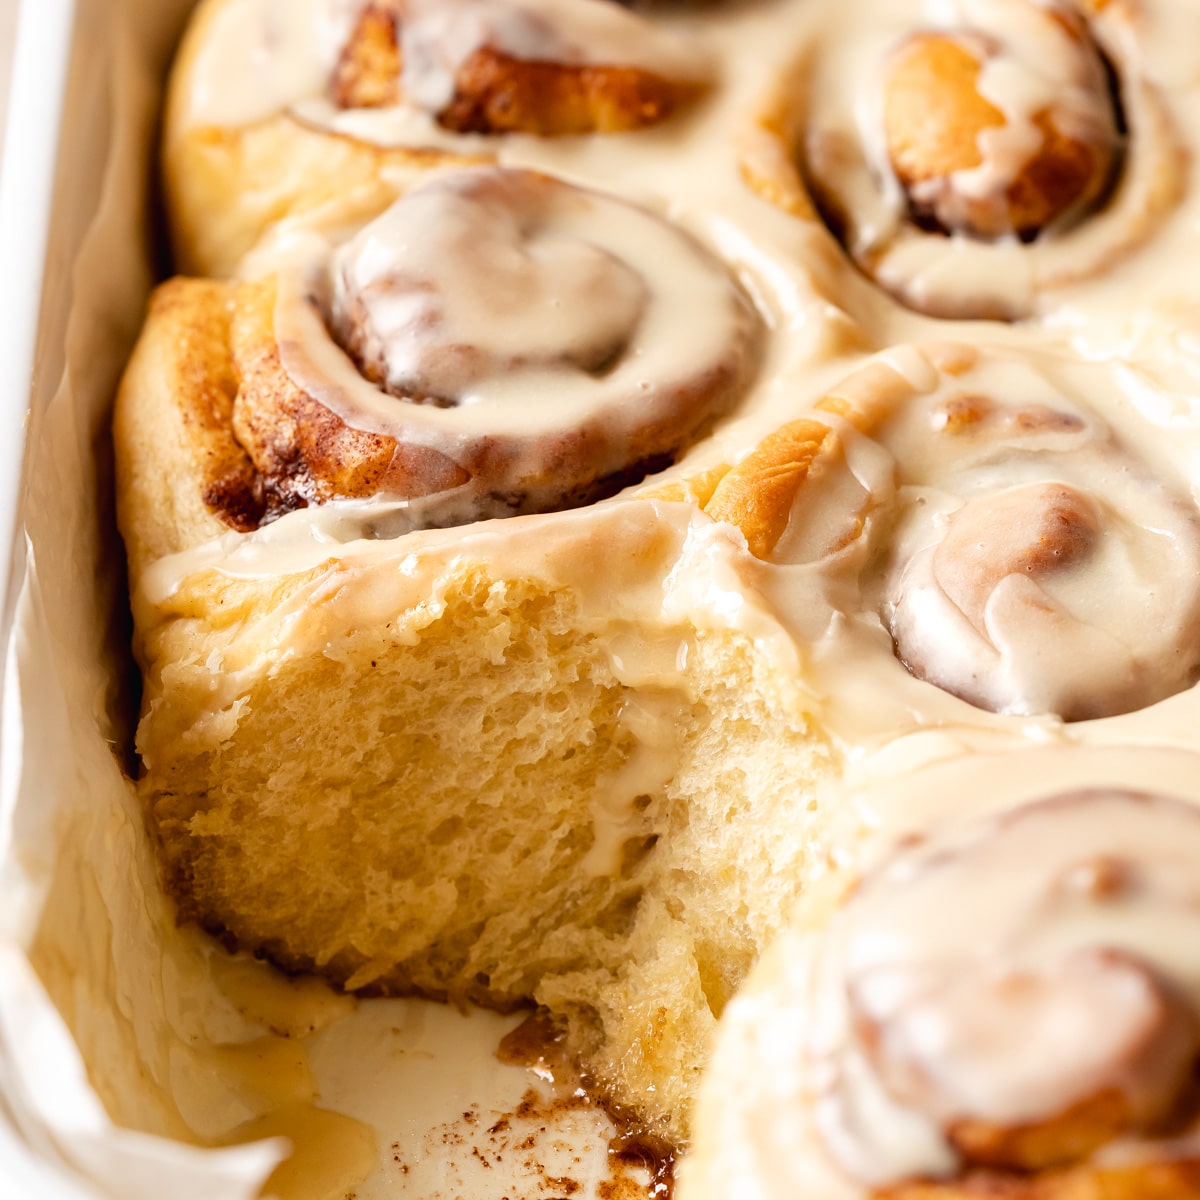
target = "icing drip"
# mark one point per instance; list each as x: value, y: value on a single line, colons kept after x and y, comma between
x: 971, y: 156
x: 1022, y: 556
x: 439, y: 37
x: 1023, y: 130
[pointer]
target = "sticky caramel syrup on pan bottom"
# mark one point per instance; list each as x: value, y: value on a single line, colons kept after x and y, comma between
x: 539, y: 1044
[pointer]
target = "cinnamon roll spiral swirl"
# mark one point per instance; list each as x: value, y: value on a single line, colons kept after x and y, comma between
x: 1043, y: 1042
x: 975, y: 159
x: 1081, y: 1032
x: 1021, y: 556
x: 496, y: 342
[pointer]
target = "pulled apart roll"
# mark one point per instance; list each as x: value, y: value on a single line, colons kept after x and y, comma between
x: 495, y: 343
x: 278, y: 107
x: 590, y: 757
x: 975, y: 158
x: 1007, y: 1007
x: 1020, y: 554
x: 506, y: 761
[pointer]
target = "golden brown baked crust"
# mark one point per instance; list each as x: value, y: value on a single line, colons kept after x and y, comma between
x: 176, y: 402
x: 497, y: 93
x: 226, y: 183
x: 1047, y: 158
x: 759, y: 493
x: 303, y: 451
x: 226, y: 188
x: 934, y: 117
x: 368, y: 72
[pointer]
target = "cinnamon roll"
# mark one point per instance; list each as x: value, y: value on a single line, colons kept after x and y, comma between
x: 370, y: 717
x: 976, y: 159
x: 1020, y: 554
x: 278, y: 107
x: 1004, y: 1007
x: 496, y: 342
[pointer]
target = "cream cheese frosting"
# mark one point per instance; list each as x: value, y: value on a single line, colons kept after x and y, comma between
x: 478, y: 291
x: 1029, y: 66
x: 1060, y: 983
x: 1035, y: 64
x: 460, y: 324
x: 261, y: 56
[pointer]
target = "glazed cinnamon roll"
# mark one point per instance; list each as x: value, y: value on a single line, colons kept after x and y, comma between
x: 975, y: 159
x: 1039, y: 564
x: 1019, y: 553
x: 366, y: 729
x: 1005, y: 1007
x: 277, y: 108
x: 495, y: 343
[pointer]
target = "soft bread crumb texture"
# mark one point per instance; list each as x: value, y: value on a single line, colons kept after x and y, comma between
x: 415, y: 809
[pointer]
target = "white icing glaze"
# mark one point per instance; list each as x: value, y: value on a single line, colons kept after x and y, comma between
x: 454, y: 286
x: 1071, y: 278
x: 667, y: 573
x: 1038, y: 569
x: 1021, y: 555
x: 1030, y: 64
x: 797, y: 1102
x: 476, y: 291
x: 255, y: 58
x: 1028, y: 61
x: 440, y: 36
x: 259, y: 57
x: 512, y: 265
x: 651, y: 717
x: 1048, y: 994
